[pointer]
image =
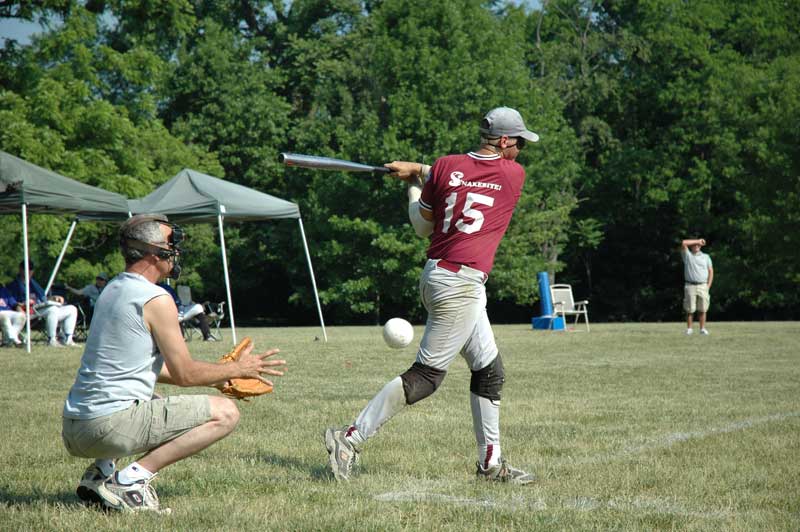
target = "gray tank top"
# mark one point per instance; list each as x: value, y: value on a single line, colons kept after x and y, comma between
x: 121, y: 362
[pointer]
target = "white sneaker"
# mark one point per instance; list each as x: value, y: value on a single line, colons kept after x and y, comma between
x: 689, y: 332
x: 503, y: 472
x: 137, y: 497
x: 91, y: 481
x: 343, y: 456
x: 704, y: 332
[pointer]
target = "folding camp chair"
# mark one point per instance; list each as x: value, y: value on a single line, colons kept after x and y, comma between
x: 38, y: 328
x: 564, y: 305
x: 214, y: 313
x: 84, y: 319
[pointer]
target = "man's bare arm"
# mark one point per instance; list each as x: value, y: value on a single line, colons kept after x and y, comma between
x: 692, y: 241
x: 161, y: 316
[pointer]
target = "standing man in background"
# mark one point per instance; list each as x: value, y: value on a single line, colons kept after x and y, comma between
x: 464, y: 203
x: 698, y: 274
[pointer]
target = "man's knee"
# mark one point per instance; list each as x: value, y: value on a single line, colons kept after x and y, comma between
x: 420, y: 381
x: 224, y: 411
x: 488, y: 382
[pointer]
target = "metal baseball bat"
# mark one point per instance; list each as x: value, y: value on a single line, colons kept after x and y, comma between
x: 327, y: 163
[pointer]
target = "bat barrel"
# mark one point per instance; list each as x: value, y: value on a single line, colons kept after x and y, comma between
x: 326, y: 163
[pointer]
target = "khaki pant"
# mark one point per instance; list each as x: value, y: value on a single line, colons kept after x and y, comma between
x: 138, y: 429
x: 696, y: 298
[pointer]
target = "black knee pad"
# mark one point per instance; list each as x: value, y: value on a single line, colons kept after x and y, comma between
x: 488, y: 382
x: 420, y: 381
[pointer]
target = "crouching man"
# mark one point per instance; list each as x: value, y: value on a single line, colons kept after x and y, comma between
x: 135, y: 341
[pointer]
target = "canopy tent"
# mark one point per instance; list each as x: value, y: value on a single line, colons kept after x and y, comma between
x: 25, y: 187
x: 192, y: 196
x: 44, y: 191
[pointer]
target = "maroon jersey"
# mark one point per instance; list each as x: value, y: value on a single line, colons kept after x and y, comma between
x: 472, y: 198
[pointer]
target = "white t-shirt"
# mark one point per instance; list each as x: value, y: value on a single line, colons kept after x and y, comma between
x: 695, y: 266
x: 121, y: 361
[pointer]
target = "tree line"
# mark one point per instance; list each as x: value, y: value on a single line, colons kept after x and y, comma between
x: 658, y: 119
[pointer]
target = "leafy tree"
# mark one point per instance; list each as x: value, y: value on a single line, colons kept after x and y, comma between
x: 411, y: 82
x: 664, y: 96
x: 657, y: 118
x: 56, y: 112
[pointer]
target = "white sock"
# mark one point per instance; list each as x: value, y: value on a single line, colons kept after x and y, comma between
x: 106, y: 466
x: 486, y: 423
x: 354, y: 436
x: 488, y: 455
x: 133, y: 473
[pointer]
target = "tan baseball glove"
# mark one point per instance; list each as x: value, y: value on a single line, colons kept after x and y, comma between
x: 242, y: 388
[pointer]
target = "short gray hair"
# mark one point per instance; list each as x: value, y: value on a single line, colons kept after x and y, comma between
x: 144, y: 228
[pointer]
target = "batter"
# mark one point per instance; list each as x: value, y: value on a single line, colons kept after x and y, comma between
x: 464, y: 204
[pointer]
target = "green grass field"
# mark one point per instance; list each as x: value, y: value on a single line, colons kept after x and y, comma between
x: 629, y: 427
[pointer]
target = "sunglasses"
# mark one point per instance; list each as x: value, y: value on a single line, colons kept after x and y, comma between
x: 520, y: 143
x: 176, y: 238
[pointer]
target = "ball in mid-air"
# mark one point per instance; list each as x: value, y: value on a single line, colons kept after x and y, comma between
x: 397, y: 333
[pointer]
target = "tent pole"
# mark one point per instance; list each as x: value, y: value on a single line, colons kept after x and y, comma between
x: 225, y: 269
x: 60, y: 256
x: 313, y: 281
x: 27, y: 277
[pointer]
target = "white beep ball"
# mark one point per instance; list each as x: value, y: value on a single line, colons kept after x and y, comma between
x: 397, y: 333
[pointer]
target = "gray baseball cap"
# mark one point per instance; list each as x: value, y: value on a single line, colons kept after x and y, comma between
x: 506, y: 121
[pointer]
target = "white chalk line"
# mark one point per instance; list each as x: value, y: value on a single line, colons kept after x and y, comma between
x: 539, y: 504
x: 591, y: 503
x: 671, y: 439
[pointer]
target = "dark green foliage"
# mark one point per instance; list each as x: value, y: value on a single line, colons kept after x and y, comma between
x: 657, y: 118
x: 58, y: 109
x: 675, y: 105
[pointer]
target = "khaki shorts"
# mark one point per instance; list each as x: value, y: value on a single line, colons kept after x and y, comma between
x: 138, y: 429
x: 696, y: 298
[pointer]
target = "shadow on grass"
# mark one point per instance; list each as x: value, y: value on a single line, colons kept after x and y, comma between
x: 317, y: 470
x: 66, y: 499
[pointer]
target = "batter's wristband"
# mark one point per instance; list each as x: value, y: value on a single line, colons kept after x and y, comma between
x: 424, y: 172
